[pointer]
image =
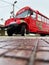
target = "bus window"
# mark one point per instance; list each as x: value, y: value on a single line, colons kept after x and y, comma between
x: 47, y: 21
x: 39, y: 17
x: 33, y: 15
x: 43, y: 19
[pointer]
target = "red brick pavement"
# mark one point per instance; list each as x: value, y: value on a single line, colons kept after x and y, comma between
x: 24, y: 51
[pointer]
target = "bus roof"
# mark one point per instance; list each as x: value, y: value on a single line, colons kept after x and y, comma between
x: 26, y: 8
x: 42, y: 14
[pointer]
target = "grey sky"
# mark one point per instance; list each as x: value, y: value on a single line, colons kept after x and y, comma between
x: 40, y: 5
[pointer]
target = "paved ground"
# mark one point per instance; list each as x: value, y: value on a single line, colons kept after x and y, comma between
x: 24, y: 50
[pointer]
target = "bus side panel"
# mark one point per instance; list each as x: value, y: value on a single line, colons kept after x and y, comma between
x: 42, y: 27
x: 32, y: 25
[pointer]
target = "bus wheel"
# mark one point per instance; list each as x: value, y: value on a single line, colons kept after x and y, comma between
x: 42, y: 34
x: 23, y: 30
x: 27, y: 31
x: 9, y: 32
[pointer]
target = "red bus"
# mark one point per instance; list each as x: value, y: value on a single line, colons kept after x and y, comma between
x: 27, y: 21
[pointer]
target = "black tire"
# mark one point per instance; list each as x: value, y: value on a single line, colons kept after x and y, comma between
x: 27, y: 32
x: 9, y: 31
x: 42, y: 34
x: 12, y: 29
x: 23, y: 30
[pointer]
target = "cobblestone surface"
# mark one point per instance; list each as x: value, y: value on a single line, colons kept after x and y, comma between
x: 24, y: 51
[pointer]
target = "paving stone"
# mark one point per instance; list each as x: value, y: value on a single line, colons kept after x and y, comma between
x: 41, y: 63
x: 2, y: 51
x: 42, y: 56
x: 26, y: 47
x: 47, y: 40
x: 30, y: 42
x: 10, y: 61
x: 43, y: 48
x: 3, y: 44
x: 43, y: 43
x: 19, y: 53
x: 9, y: 47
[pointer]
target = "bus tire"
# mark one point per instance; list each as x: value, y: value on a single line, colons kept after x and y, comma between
x: 23, y: 30
x: 9, y: 32
x: 42, y: 34
x: 27, y: 31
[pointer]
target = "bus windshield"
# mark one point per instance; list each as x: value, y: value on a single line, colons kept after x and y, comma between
x: 23, y: 14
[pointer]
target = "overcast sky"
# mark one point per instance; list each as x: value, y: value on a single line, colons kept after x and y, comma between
x: 6, y: 7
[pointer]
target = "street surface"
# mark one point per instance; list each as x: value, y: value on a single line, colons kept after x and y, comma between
x: 24, y: 50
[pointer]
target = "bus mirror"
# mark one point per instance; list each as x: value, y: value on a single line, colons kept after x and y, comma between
x: 31, y: 12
